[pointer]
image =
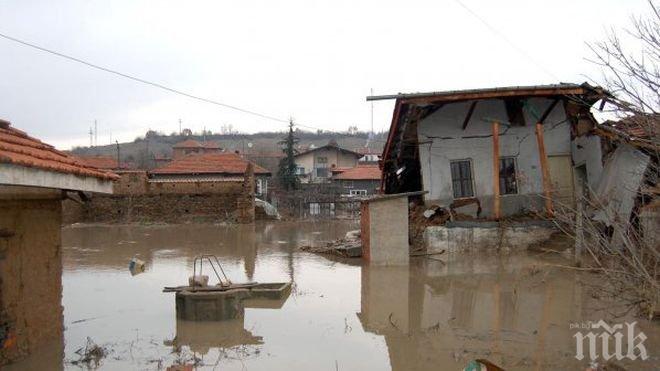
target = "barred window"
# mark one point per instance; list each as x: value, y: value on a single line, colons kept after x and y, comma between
x: 461, y: 178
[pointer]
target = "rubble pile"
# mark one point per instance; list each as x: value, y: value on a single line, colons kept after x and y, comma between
x: 349, y: 247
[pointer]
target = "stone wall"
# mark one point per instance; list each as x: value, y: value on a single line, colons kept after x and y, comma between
x: 471, y: 236
x: 30, y: 277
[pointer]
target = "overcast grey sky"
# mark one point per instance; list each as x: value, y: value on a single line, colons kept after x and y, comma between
x: 313, y: 60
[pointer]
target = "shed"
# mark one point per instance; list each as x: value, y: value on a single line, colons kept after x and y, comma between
x: 34, y: 178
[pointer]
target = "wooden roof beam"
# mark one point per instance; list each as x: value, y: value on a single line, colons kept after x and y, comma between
x: 469, y: 114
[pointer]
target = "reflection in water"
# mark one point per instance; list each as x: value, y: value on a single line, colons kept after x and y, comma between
x: 430, y: 315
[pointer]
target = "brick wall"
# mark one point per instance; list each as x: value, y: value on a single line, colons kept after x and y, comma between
x: 30, y: 277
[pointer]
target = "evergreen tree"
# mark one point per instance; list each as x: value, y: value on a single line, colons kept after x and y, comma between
x: 287, y: 169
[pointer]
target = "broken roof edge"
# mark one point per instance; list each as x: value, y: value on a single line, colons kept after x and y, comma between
x: 498, y: 92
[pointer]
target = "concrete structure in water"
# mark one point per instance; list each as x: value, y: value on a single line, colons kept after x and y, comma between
x: 384, y: 230
x: 207, y: 304
x: 34, y: 178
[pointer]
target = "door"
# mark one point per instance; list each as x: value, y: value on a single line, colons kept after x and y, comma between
x: 561, y: 175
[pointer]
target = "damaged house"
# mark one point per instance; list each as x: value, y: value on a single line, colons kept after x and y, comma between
x: 503, y: 151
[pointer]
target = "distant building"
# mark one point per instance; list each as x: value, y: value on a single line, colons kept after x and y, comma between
x: 361, y: 180
x: 210, y: 168
x: 191, y: 146
x: 315, y: 165
x: 34, y: 178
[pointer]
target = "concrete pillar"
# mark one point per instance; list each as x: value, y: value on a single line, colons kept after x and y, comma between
x: 384, y: 227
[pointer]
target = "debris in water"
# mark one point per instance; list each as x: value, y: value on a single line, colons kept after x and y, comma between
x: 91, y: 354
x: 136, y: 266
x: 482, y: 365
x: 350, y: 246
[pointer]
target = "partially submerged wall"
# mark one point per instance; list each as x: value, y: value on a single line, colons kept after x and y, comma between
x: 384, y: 231
x: 469, y: 236
x: 30, y: 277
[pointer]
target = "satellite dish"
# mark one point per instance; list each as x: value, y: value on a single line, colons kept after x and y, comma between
x: 249, y: 145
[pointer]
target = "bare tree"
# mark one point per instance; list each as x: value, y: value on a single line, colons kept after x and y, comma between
x: 626, y: 250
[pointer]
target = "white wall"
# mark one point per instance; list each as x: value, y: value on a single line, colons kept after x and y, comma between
x: 586, y: 150
x: 442, y: 139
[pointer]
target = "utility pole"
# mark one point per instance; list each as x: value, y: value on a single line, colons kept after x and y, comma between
x: 372, y: 112
x: 96, y: 134
x: 118, y: 157
x: 91, y: 138
x: 179, y: 126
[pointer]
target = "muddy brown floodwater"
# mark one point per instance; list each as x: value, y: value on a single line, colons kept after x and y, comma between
x: 437, y: 314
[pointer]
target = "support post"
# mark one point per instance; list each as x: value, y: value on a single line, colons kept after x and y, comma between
x: 579, y: 229
x: 545, y: 171
x: 496, y: 170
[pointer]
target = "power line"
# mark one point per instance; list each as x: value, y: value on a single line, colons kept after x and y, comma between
x: 143, y: 81
x: 155, y: 84
x: 508, y: 41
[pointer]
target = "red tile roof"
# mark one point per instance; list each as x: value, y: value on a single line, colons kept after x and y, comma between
x: 18, y: 148
x: 189, y: 143
x: 209, y: 163
x: 101, y: 162
x: 211, y: 145
x: 360, y: 172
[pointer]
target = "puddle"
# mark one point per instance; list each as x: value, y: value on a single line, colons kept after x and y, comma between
x: 432, y: 315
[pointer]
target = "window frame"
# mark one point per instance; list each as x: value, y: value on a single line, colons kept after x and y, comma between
x: 472, y: 183
x: 515, y: 175
x: 357, y: 192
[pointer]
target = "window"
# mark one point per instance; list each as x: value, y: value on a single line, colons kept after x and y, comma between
x: 321, y: 172
x: 314, y: 208
x: 300, y: 170
x: 358, y: 192
x: 461, y: 178
x: 322, y: 160
x: 259, y: 187
x: 508, y: 184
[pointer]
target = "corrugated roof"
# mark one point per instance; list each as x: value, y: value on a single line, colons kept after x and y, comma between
x: 18, y: 148
x: 189, y: 143
x: 209, y: 163
x: 360, y: 172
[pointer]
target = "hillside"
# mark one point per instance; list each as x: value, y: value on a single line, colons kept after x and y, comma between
x: 142, y: 150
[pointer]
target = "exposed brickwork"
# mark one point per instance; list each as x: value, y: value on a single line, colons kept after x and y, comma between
x: 30, y: 277
x: 245, y: 202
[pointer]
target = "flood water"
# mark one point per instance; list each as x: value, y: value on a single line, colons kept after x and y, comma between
x: 439, y: 313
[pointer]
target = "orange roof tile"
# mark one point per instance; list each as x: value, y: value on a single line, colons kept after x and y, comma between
x: 101, y: 162
x: 209, y: 163
x: 18, y: 148
x: 189, y: 143
x: 360, y: 172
